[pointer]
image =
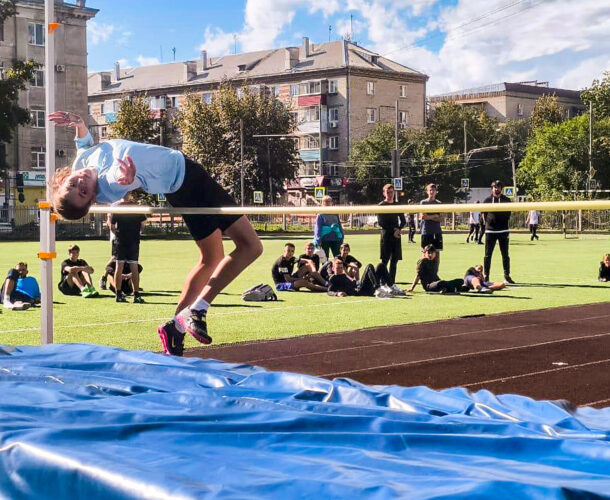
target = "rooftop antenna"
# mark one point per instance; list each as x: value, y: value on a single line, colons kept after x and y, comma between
x: 351, y: 27
x: 330, y: 29
x: 234, y: 43
x: 174, y: 52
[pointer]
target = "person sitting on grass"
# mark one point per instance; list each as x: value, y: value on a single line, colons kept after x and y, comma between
x: 342, y: 285
x: 427, y: 274
x: 282, y: 273
x: 308, y: 265
x: 350, y: 263
x: 473, y: 279
x: 19, y: 290
x: 127, y: 279
x: 76, y: 275
x: 604, y: 268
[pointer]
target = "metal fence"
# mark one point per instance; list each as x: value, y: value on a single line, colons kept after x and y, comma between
x: 23, y: 223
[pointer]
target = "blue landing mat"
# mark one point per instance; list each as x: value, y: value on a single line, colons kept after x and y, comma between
x: 90, y: 422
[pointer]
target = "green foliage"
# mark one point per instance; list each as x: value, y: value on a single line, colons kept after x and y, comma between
x: 211, y: 136
x: 135, y: 122
x: 547, y: 110
x: 557, y: 158
x: 15, y: 80
x: 598, y: 94
x: 7, y: 9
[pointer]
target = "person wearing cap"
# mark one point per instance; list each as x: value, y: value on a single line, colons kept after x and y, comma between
x: 496, y: 230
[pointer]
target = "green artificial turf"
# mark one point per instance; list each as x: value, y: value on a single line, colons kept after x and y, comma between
x: 550, y: 272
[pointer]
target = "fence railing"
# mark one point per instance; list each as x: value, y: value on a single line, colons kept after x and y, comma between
x: 23, y: 223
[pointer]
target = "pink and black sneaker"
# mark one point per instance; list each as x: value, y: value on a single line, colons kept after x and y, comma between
x: 171, y: 339
x: 196, y: 325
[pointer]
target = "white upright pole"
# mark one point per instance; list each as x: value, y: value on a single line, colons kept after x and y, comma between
x: 47, y: 226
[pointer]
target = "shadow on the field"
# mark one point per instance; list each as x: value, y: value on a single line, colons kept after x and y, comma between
x: 499, y: 295
x: 559, y: 285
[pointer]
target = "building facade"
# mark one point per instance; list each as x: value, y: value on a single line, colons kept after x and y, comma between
x: 514, y: 101
x: 337, y: 92
x: 22, y: 37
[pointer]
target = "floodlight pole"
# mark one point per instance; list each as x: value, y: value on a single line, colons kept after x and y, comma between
x: 47, y: 225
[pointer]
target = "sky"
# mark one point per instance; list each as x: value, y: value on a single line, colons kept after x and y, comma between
x: 458, y: 43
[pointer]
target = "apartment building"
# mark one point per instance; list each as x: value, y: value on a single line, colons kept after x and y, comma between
x: 22, y: 37
x: 512, y: 100
x: 337, y: 91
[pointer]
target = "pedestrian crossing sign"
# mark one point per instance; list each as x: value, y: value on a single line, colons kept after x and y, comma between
x: 319, y: 193
x: 509, y: 191
x: 465, y: 183
x: 160, y: 197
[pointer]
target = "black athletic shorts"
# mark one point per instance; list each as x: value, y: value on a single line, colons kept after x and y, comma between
x: 432, y: 239
x: 66, y: 289
x: 127, y: 251
x: 200, y: 190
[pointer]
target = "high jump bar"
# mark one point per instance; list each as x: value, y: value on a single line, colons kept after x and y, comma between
x: 547, y: 206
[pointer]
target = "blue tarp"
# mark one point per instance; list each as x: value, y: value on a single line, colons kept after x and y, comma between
x: 91, y: 422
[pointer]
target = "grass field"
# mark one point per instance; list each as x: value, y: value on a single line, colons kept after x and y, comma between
x: 551, y: 272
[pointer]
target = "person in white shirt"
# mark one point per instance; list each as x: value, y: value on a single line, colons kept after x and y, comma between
x: 533, y: 217
x: 475, y: 225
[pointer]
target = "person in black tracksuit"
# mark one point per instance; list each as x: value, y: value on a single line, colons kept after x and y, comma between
x: 390, y: 224
x: 496, y: 230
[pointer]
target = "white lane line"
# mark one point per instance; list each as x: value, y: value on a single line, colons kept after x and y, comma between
x: 597, y: 402
x: 540, y: 372
x: 464, y: 355
x: 233, y: 313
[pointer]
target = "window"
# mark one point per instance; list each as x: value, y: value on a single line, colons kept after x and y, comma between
x: 332, y: 86
x: 35, y: 34
x: 38, y: 157
x: 295, y: 116
x: 276, y: 91
x: 311, y: 114
x: 371, y: 115
x: 1, y: 31
x: 294, y: 89
x: 370, y: 88
x: 174, y: 101
x: 89, y: 109
x: 333, y: 142
x: 2, y: 70
x: 38, y: 78
x: 333, y: 114
x: 403, y: 91
x: 102, y: 109
x: 311, y: 142
x: 310, y: 88
x: 403, y: 117
x: 157, y: 102
x: 206, y: 98
x: 103, y: 132
x: 519, y: 109
x: 37, y: 120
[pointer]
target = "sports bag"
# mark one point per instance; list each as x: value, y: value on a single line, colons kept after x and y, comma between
x: 259, y: 293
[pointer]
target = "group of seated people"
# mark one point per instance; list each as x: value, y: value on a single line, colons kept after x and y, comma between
x: 344, y: 275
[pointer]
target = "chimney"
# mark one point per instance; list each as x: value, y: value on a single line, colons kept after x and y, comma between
x: 81, y: 3
x: 203, y: 62
x: 291, y: 57
x: 190, y: 70
x: 117, y: 71
x: 306, y: 52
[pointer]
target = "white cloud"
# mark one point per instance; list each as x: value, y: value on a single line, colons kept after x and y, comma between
x: 583, y: 75
x: 147, y: 61
x: 99, y: 32
x: 124, y: 63
x: 217, y: 42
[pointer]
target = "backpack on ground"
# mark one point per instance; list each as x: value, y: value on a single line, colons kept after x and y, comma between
x: 259, y: 293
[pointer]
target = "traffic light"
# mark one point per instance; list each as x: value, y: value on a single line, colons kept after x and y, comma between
x: 395, y: 164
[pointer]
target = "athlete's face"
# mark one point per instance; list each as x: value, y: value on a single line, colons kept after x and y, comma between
x: 431, y: 190
x: 338, y: 267
x: 607, y: 260
x: 309, y: 249
x: 288, y: 252
x: 79, y: 187
x: 344, y: 251
x: 496, y: 190
x: 429, y: 254
x: 389, y: 194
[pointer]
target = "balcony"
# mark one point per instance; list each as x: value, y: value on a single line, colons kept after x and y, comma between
x: 312, y: 154
x: 311, y: 100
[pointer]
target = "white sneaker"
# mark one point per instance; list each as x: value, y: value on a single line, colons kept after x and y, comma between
x: 484, y: 289
x: 397, y: 291
x: 20, y: 306
x: 7, y: 304
x: 384, y: 292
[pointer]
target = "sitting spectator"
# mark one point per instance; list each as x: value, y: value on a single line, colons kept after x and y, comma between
x: 341, y: 285
x: 474, y: 281
x: 76, y: 275
x: 127, y: 287
x: 350, y: 263
x: 427, y: 274
x: 19, y: 290
x: 308, y: 265
x: 282, y: 272
x: 604, y: 268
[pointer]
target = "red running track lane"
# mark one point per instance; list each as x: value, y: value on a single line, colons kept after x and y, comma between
x: 559, y: 353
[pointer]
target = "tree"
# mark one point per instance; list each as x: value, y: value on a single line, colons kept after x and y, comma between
x: 7, y: 9
x: 211, y: 136
x: 557, y: 159
x: 547, y: 110
x: 135, y: 122
x: 599, y: 95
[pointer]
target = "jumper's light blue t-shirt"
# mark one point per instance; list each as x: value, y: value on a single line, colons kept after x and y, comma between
x: 159, y: 170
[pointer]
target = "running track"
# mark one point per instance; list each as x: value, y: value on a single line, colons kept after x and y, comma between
x: 560, y: 353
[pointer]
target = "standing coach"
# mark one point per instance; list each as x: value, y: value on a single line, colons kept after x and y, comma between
x: 496, y: 229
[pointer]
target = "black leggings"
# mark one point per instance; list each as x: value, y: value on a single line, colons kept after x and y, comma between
x: 392, y: 271
x: 451, y: 286
x: 533, y: 230
x: 474, y: 229
x: 372, y: 279
x: 490, y: 243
